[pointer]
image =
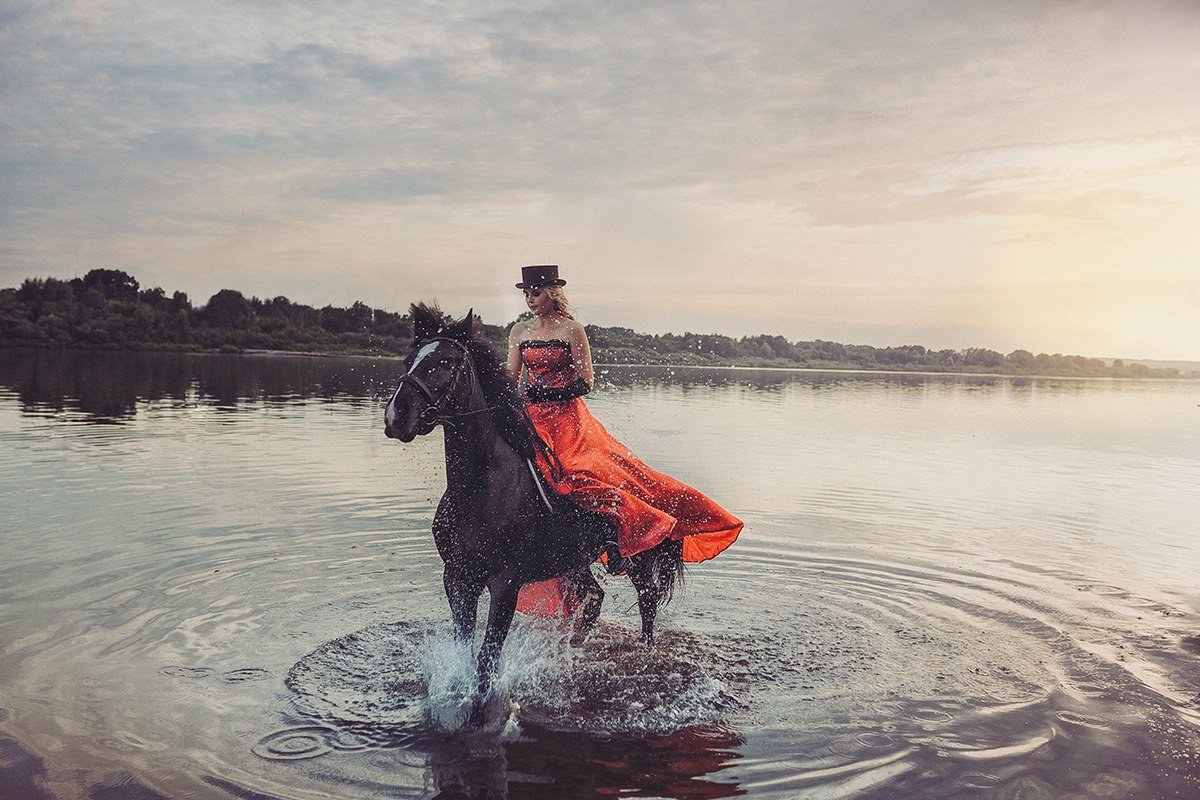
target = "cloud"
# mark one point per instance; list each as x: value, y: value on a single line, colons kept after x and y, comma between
x: 319, y: 149
x: 1093, y: 181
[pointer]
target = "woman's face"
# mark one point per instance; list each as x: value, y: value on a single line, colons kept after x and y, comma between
x: 539, y: 301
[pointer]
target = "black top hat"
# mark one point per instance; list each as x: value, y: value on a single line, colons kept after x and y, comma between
x: 541, y: 275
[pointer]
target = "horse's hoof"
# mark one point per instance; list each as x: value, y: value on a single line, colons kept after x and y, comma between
x: 579, y: 638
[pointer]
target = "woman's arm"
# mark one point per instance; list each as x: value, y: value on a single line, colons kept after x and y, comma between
x: 581, y: 353
x: 514, y: 351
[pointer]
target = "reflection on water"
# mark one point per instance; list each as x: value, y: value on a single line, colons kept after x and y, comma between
x: 948, y: 587
x: 110, y: 387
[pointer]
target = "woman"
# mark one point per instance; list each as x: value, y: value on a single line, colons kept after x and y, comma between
x: 600, y: 473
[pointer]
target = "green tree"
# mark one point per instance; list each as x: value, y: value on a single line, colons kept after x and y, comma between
x: 114, y: 284
x: 1022, y: 360
x: 228, y: 308
x: 982, y: 357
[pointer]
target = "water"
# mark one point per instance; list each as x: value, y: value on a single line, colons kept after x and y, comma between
x: 217, y: 579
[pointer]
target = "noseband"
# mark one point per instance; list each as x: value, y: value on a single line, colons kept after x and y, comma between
x: 432, y: 414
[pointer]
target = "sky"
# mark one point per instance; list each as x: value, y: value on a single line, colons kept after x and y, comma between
x: 998, y: 174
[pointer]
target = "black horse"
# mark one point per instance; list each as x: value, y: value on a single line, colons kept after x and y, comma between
x: 497, y: 526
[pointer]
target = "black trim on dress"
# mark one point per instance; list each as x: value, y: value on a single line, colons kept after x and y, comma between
x: 544, y: 343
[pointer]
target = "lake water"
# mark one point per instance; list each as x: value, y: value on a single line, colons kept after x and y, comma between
x: 217, y: 580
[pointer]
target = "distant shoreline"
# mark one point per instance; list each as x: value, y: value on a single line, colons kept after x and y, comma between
x: 108, y: 310
x: 853, y: 370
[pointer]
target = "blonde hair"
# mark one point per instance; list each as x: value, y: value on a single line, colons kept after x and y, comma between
x: 561, y: 304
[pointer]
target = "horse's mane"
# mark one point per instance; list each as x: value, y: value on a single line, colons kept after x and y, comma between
x: 499, y: 389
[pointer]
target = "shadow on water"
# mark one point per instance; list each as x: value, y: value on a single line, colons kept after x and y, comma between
x: 552, y: 764
x: 21, y: 771
x: 23, y: 775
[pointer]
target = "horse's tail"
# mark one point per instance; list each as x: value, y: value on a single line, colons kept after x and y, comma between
x: 668, y: 566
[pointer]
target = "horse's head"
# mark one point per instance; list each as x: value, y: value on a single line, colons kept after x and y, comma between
x: 436, y: 370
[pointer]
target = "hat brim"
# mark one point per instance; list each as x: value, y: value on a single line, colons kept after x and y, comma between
x: 555, y: 282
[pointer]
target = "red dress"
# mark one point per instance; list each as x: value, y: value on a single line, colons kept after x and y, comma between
x: 601, y: 474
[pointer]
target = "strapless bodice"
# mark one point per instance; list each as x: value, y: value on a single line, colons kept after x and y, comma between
x: 549, y: 361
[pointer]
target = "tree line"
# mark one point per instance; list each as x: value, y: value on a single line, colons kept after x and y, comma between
x: 107, y: 309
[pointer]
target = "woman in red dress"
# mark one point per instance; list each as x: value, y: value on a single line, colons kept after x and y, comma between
x: 598, y: 472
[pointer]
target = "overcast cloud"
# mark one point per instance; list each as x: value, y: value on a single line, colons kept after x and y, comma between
x: 997, y: 174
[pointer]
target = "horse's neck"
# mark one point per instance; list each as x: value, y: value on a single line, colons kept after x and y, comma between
x: 475, y: 450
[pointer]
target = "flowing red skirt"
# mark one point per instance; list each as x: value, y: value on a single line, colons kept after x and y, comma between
x: 645, y: 507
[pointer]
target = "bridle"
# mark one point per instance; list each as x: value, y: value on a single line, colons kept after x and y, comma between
x: 433, y: 412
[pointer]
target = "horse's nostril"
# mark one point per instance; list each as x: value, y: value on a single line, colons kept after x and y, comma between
x: 387, y: 429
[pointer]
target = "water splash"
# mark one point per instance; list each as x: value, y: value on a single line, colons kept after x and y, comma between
x: 416, y: 681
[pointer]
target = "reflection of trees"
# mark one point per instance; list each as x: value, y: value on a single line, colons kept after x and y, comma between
x: 103, y: 386
x: 758, y: 379
x: 557, y: 764
x: 108, y: 387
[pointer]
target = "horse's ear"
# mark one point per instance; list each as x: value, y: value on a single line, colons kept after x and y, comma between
x: 464, y: 328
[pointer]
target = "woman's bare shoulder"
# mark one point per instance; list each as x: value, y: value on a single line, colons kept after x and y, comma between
x: 576, y: 328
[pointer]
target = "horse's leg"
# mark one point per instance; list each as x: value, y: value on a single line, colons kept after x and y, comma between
x: 500, y: 616
x: 463, y: 594
x: 644, y: 574
x: 585, y: 587
x: 654, y: 574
